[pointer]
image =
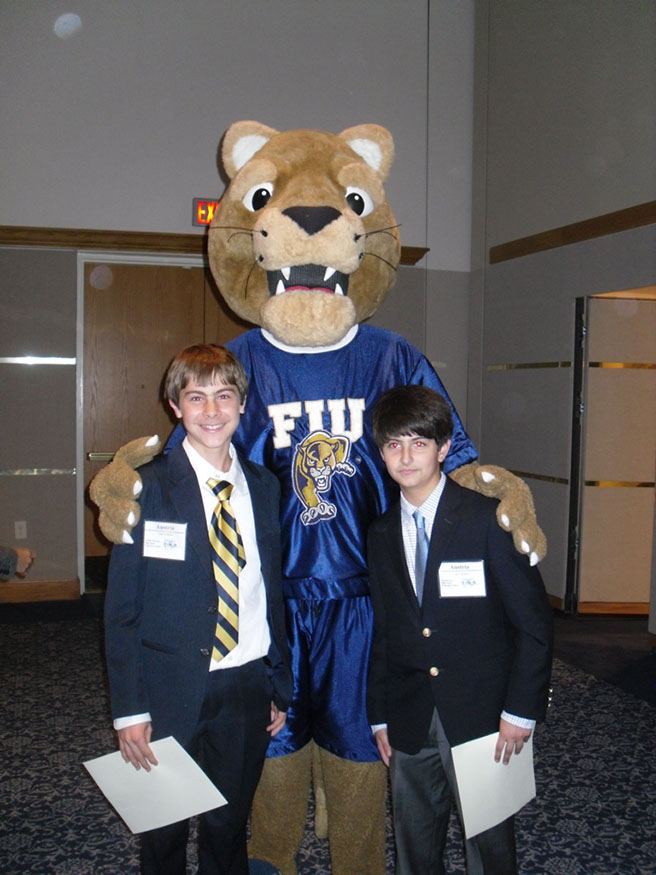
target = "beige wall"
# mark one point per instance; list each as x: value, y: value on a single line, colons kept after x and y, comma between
x: 619, y: 447
x: 117, y: 126
x: 572, y: 112
x: 563, y: 131
x: 556, y: 87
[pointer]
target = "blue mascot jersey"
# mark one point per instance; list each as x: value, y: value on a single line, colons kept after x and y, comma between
x: 308, y: 419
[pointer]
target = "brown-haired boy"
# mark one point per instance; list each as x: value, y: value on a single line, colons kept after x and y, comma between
x: 195, y: 632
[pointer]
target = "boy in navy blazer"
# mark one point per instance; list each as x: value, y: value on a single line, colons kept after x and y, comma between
x: 462, y: 636
x: 170, y: 669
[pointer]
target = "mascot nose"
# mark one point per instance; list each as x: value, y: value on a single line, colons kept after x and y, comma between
x: 312, y: 219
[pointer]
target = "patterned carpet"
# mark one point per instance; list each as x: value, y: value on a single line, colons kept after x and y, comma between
x: 595, y: 770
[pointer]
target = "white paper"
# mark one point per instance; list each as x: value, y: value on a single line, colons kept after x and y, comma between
x: 489, y: 791
x: 175, y: 789
x: 164, y: 540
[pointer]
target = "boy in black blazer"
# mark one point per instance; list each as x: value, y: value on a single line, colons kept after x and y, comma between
x: 195, y: 632
x: 462, y: 637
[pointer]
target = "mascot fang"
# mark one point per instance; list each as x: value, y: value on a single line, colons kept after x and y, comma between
x: 305, y: 245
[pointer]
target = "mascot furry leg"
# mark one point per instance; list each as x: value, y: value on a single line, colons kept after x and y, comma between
x: 280, y: 808
x: 352, y: 791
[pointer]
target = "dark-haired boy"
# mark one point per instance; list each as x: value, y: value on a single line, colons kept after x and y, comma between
x: 462, y: 640
x: 195, y: 632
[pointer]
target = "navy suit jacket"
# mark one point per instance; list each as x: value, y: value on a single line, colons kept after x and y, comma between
x: 471, y: 657
x: 160, y: 615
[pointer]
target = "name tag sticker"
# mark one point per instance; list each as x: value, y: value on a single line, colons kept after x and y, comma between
x: 164, y: 540
x: 462, y: 579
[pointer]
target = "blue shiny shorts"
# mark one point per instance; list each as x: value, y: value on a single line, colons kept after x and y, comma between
x: 330, y: 641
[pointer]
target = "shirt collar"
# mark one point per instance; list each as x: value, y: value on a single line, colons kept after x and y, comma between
x: 204, y: 470
x: 428, y: 508
x: 348, y: 337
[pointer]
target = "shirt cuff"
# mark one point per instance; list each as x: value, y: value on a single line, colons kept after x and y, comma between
x: 376, y: 726
x: 124, y: 722
x: 522, y: 722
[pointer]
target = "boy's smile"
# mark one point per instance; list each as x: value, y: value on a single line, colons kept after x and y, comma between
x: 210, y: 414
x: 414, y: 462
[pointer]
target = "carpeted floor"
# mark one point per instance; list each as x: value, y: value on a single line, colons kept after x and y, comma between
x: 595, y: 813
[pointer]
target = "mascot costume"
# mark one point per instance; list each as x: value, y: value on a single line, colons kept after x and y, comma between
x: 304, y: 245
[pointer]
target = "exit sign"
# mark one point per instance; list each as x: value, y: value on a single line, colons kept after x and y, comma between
x: 203, y: 211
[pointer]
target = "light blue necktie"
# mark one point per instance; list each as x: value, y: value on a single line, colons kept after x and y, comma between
x: 421, y: 554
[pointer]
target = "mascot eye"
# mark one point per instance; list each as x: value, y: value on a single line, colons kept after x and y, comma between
x: 359, y: 201
x: 258, y: 196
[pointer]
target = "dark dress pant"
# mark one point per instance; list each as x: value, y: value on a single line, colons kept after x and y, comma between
x: 229, y: 743
x: 423, y: 788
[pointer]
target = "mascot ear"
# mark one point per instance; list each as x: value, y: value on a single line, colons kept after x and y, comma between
x: 241, y: 141
x: 374, y: 144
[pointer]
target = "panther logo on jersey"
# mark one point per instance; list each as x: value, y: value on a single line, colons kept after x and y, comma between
x: 316, y: 461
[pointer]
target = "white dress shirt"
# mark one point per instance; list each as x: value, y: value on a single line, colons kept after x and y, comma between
x: 409, y: 529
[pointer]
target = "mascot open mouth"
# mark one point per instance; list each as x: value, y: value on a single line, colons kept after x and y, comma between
x: 308, y: 277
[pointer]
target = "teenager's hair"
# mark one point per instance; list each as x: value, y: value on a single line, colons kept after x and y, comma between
x: 409, y: 410
x: 202, y: 364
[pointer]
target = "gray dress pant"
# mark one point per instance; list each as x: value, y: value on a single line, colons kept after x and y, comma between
x: 423, y: 788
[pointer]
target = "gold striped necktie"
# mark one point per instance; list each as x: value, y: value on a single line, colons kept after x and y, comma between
x: 228, y: 558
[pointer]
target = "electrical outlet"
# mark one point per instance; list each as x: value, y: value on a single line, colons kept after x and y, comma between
x: 20, y: 530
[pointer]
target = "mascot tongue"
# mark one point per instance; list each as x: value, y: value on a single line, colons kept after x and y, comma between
x: 314, y: 277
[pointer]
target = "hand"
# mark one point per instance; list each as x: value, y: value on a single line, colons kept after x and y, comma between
x: 510, y: 738
x: 516, y: 511
x: 116, y: 487
x: 383, y: 745
x: 277, y: 720
x: 134, y: 744
x: 24, y: 558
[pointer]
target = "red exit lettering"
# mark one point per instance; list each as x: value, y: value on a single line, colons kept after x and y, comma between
x: 203, y: 211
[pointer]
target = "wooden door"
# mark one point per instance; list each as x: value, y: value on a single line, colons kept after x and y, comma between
x: 136, y: 318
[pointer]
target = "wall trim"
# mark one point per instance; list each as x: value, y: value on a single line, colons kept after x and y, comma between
x: 615, y: 608
x: 14, y: 591
x: 588, y: 229
x: 641, y: 608
x: 531, y: 475
x: 132, y: 241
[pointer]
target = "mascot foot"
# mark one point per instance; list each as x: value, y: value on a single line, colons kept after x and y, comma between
x: 280, y: 808
x: 356, y: 794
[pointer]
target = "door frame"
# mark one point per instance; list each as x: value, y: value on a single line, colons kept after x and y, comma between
x: 83, y: 258
x: 570, y: 603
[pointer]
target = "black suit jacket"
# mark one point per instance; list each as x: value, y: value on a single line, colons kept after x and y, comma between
x: 469, y: 657
x: 160, y: 615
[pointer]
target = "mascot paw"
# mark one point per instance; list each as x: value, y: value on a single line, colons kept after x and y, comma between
x: 138, y: 452
x: 516, y: 511
x: 530, y: 539
x: 115, y: 489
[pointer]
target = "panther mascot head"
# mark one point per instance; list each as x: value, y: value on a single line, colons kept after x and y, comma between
x: 304, y: 242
